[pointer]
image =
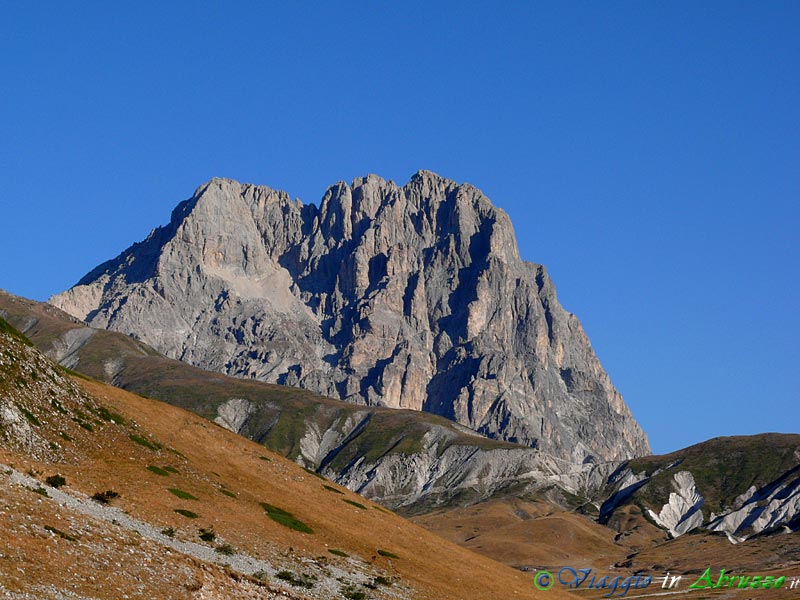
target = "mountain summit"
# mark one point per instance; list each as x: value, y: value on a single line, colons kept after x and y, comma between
x: 409, y: 297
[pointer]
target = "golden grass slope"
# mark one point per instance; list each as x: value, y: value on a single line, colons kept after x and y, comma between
x: 160, y: 459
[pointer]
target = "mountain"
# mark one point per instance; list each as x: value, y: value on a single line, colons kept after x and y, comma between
x: 409, y: 297
x: 111, y: 495
x: 406, y: 460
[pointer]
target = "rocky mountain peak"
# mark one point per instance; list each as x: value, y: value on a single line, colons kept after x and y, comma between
x: 410, y: 297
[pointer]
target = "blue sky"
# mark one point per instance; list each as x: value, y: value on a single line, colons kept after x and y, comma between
x: 647, y: 153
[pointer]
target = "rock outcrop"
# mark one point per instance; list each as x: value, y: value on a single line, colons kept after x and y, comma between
x: 407, y: 297
x: 740, y: 486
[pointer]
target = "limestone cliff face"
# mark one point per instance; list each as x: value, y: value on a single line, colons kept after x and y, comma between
x: 409, y: 297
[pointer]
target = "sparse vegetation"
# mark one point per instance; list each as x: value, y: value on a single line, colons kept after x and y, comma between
x: 59, y: 407
x: 299, y: 580
x: 170, y: 469
x: 40, y: 490
x: 336, y: 552
x: 181, y: 494
x: 330, y: 488
x: 314, y: 473
x: 207, y: 535
x: 30, y: 416
x: 105, y: 497
x: 352, y: 593
x: 55, y: 481
x: 286, y: 519
x: 108, y: 415
x: 145, y: 442
x: 61, y: 534
x: 168, y: 531
x: 158, y: 470
x: 387, y: 554
x: 354, y: 503
x: 186, y: 513
x: 261, y: 575
x: 266, y: 458
x: 225, y: 549
x: 228, y: 493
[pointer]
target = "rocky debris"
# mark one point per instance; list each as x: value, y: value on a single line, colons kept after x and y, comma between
x: 682, y: 513
x: 407, y: 297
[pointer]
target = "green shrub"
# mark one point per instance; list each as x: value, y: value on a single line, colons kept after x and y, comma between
x: 30, y: 416
x: 207, y: 535
x: 225, y: 549
x: 170, y: 469
x: 105, y: 497
x: 338, y: 552
x: 354, y: 503
x: 145, y: 442
x: 300, y: 580
x: 40, y: 490
x: 285, y: 518
x: 168, y: 531
x: 333, y: 489
x: 61, y: 534
x: 387, y: 554
x: 227, y: 492
x: 314, y: 473
x: 158, y: 470
x: 186, y: 513
x: 181, y: 494
x: 55, y: 481
x: 108, y: 415
x: 353, y: 594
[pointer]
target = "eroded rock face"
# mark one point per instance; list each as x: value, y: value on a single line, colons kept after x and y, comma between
x: 408, y: 297
x: 681, y: 513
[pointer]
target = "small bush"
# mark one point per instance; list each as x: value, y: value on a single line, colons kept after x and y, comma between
x: 170, y: 469
x: 314, y: 473
x: 168, y: 531
x: 64, y: 436
x: 105, y: 497
x: 353, y: 594
x: 55, y: 481
x: 186, y: 513
x: 207, y: 535
x: 225, y: 549
x: 40, y: 490
x: 333, y: 489
x: 30, y: 416
x: 58, y: 406
x: 108, y: 415
x: 145, y: 442
x: 381, y: 580
x: 299, y: 580
x: 158, y: 470
x: 285, y: 518
x: 181, y: 494
x: 61, y: 534
x: 261, y: 575
x: 84, y: 424
x: 387, y: 554
x: 338, y: 552
x: 354, y: 503
x: 228, y: 493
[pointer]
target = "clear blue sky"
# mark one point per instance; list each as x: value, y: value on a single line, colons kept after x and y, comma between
x: 647, y: 152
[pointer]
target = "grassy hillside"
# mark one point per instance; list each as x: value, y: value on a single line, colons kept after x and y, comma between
x: 194, y: 483
x: 723, y: 468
